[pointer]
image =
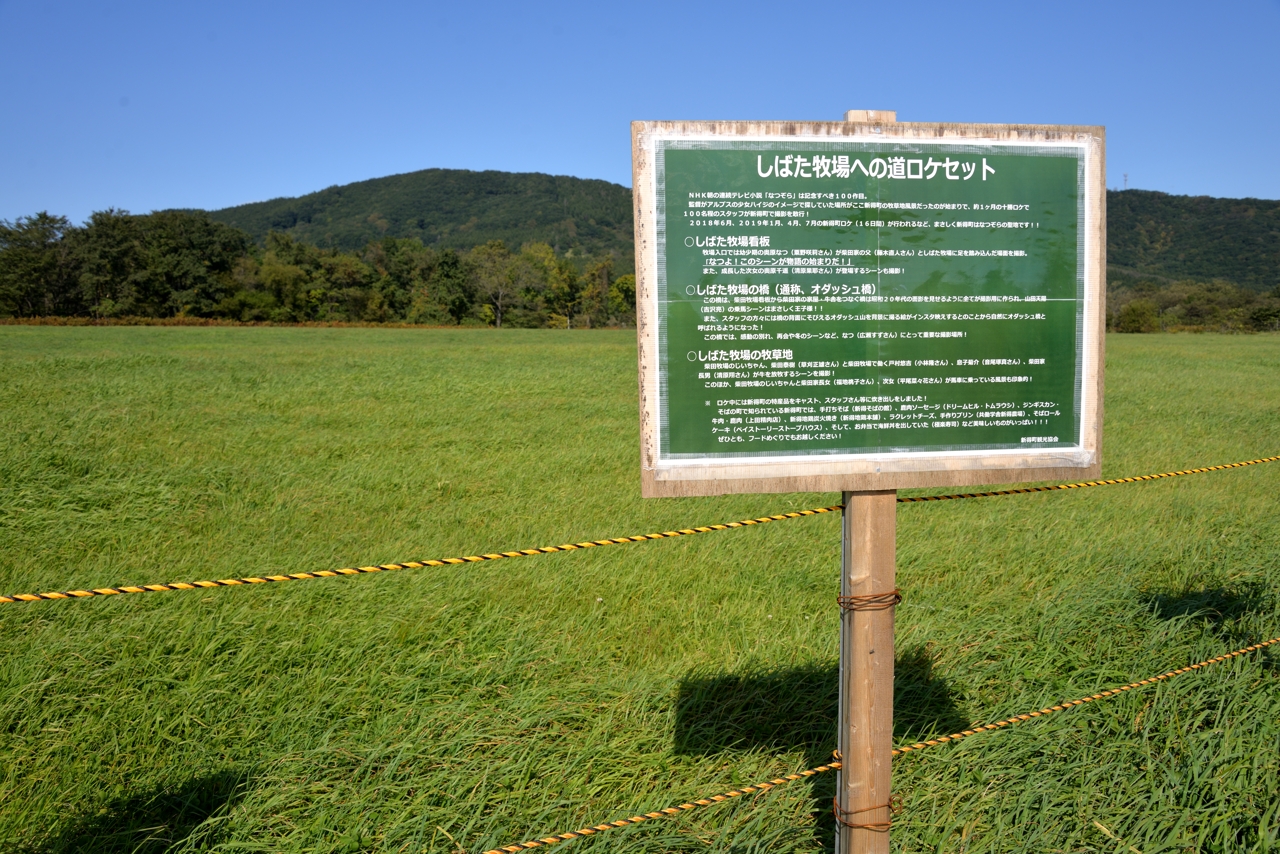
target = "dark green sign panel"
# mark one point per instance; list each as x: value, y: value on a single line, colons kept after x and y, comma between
x: 836, y: 298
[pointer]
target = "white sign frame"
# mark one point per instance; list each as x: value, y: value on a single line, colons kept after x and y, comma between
x: 871, y: 471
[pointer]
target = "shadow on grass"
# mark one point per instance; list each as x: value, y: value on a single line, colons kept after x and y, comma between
x: 151, y: 822
x: 796, y: 709
x: 1219, y: 609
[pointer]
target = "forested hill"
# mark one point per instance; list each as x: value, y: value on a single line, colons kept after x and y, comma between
x: 1151, y: 233
x: 527, y: 249
x: 453, y: 208
x: 1194, y: 237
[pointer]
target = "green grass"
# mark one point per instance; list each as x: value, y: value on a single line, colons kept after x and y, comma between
x: 461, y: 708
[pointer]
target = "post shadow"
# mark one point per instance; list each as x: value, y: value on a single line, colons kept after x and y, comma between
x: 150, y: 822
x: 795, y: 708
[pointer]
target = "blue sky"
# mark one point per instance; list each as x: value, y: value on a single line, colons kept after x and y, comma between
x: 145, y: 106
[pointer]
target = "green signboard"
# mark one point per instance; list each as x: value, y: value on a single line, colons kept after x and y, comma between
x: 828, y: 297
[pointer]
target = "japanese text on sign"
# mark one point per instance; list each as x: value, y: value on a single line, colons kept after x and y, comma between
x: 849, y: 298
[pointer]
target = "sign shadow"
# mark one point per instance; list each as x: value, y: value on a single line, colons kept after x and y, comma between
x: 1223, y: 610
x: 795, y: 709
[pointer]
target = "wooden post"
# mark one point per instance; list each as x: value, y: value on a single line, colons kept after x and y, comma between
x: 866, y: 653
x: 871, y: 116
x: 866, y: 672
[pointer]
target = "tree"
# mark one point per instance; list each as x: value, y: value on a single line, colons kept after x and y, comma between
x: 1140, y: 315
x: 595, y: 288
x: 345, y: 281
x: 559, y: 280
x: 497, y: 277
x: 451, y: 286
x: 190, y: 260
x: 1265, y: 316
x: 37, y: 272
x: 113, y: 266
x: 403, y: 266
x: 287, y: 271
x: 622, y: 298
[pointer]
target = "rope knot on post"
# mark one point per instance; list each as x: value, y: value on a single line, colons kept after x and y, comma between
x: 870, y: 601
x: 895, y: 806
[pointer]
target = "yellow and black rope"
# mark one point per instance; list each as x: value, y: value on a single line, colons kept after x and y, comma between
x: 664, y: 813
x: 1082, y: 485
x: 413, y: 564
x: 568, y: 547
x: 899, y: 751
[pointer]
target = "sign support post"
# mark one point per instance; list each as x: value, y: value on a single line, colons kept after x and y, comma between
x: 865, y: 737
x: 868, y: 596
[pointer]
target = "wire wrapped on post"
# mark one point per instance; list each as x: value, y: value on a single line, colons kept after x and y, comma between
x: 894, y: 806
x: 870, y: 601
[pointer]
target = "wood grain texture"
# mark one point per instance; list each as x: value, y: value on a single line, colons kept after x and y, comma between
x: 866, y: 671
x: 869, y: 471
x: 871, y: 116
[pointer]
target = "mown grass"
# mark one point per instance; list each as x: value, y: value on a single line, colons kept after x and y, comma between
x: 458, y: 709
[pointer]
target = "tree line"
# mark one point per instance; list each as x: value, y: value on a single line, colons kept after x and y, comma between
x: 1143, y: 304
x: 185, y: 264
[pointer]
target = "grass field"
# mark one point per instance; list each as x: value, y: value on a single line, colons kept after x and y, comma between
x: 456, y: 709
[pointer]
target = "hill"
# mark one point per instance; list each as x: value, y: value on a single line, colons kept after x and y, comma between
x: 454, y: 208
x: 1194, y: 237
x: 353, y: 253
x: 1148, y: 233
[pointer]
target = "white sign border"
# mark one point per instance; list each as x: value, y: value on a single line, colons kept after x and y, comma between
x: 877, y: 470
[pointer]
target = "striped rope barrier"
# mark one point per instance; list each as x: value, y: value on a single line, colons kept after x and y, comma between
x: 88, y: 593
x: 899, y: 751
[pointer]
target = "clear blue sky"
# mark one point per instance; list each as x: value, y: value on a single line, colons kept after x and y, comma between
x: 148, y: 105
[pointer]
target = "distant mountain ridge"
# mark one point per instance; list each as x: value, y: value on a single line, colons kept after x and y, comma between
x: 1194, y: 237
x: 1149, y: 234
x: 454, y: 208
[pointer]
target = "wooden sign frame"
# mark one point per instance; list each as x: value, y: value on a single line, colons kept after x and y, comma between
x: 878, y: 471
